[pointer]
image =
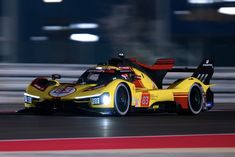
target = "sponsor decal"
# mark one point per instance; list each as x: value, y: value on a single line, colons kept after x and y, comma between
x: 62, y: 91
x: 207, y: 64
x: 145, y: 98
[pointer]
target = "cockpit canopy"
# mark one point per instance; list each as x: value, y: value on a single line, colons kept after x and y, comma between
x: 103, y: 75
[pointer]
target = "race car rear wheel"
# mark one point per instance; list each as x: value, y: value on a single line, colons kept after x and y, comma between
x: 122, y: 100
x: 195, y: 99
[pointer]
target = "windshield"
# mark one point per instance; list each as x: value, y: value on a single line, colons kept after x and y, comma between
x: 96, y: 77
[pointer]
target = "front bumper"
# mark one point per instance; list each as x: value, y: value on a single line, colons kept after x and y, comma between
x: 67, y: 106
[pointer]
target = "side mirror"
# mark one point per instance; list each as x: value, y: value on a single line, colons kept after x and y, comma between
x: 55, y: 76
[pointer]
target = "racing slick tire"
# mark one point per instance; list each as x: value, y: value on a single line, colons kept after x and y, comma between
x: 122, y: 100
x: 195, y: 99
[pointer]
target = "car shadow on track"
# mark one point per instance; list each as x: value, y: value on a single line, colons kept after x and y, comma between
x: 86, y: 114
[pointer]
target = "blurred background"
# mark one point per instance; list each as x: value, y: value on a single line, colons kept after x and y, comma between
x: 88, y: 31
x: 42, y: 37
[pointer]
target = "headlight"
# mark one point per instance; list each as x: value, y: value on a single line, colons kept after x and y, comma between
x: 28, y: 98
x: 102, y: 99
x: 95, y: 100
x: 105, y: 99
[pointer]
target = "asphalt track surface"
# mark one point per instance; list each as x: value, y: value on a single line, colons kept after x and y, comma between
x: 14, y: 126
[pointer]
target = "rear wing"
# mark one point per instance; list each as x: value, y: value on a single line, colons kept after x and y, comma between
x: 203, y: 72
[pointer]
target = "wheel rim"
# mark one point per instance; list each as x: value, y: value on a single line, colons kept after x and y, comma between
x: 195, y: 99
x: 122, y: 99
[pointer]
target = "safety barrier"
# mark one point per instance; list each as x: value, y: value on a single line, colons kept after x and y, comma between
x: 14, y: 79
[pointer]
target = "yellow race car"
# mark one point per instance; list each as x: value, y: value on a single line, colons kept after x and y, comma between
x: 124, y: 85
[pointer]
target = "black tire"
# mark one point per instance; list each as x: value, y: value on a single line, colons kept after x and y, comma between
x: 195, y: 99
x: 122, y: 100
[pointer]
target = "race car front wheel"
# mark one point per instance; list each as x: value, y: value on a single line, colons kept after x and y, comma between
x: 195, y: 99
x: 122, y: 100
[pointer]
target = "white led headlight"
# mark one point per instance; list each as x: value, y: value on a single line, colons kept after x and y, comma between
x: 33, y: 96
x: 102, y: 99
x: 95, y: 100
x: 105, y: 98
x: 28, y: 98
